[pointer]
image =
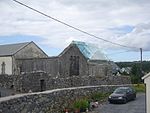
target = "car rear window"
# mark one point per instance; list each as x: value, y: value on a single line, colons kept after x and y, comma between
x: 120, y: 91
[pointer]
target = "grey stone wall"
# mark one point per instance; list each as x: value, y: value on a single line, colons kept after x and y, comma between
x: 53, y: 101
x: 100, y: 69
x: 60, y: 66
x: 32, y: 81
x: 48, y: 65
x: 64, y: 60
x: 30, y: 51
x: 6, y: 81
x: 75, y: 81
x: 7, y: 85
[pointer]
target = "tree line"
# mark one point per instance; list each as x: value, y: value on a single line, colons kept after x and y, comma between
x: 137, y: 69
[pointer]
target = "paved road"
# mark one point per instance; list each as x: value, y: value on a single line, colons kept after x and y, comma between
x: 136, y: 106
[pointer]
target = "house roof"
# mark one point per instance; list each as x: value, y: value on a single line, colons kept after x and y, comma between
x: 90, y: 51
x: 147, y: 75
x: 11, y: 49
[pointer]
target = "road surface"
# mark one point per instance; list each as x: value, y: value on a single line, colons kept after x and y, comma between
x: 136, y: 106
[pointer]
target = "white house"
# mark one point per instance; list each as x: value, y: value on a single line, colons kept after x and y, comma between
x: 146, y: 79
x: 10, y: 52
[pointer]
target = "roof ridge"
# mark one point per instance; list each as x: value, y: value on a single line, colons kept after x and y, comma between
x: 14, y: 43
x: 11, y: 49
x: 22, y: 46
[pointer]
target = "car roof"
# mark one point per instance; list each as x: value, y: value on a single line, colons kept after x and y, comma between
x: 123, y: 88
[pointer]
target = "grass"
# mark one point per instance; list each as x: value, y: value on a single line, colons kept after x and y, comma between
x: 84, y: 102
x: 139, y: 87
x: 99, y: 96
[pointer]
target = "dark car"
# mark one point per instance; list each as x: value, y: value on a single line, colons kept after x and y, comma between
x: 122, y: 95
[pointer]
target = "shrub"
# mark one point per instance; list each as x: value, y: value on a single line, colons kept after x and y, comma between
x: 81, y: 104
x: 139, y: 87
x: 99, y: 96
x: 84, y: 103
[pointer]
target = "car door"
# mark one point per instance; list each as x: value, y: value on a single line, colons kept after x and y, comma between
x: 129, y: 94
x: 133, y: 94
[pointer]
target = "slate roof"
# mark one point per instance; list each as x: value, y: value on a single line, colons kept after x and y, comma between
x: 11, y: 49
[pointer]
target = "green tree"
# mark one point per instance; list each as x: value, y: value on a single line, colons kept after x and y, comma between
x: 135, y: 74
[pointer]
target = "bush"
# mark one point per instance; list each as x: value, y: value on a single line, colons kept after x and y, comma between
x: 139, y: 87
x: 99, y: 96
x: 84, y: 103
x: 81, y: 104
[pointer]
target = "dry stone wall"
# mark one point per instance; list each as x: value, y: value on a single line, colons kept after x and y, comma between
x: 40, y: 81
x: 33, y: 81
x: 52, y: 101
x: 6, y: 81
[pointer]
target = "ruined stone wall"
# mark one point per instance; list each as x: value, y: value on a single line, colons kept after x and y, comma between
x: 64, y: 61
x: 30, y: 51
x: 7, y: 85
x: 54, y: 66
x: 62, y: 65
x: 32, y: 81
x: 75, y: 81
x: 33, y: 65
x: 52, y: 101
x: 40, y: 81
x: 6, y: 81
x: 100, y: 69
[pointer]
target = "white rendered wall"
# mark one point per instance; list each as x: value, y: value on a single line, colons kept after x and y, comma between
x: 8, y: 64
x: 147, y: 81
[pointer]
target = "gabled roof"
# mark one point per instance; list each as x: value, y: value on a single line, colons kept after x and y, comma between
x: 147, y: 75
x: 11, y: 49
x: 89, y: 51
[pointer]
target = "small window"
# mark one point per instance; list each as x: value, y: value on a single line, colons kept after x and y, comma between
x: 3, y: 67
x: 21, y: 69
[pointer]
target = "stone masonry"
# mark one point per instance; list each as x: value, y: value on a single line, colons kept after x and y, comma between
x: 52, y: 101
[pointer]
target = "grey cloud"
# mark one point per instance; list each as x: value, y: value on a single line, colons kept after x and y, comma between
x: 139, y: 37
x: 93, y: 16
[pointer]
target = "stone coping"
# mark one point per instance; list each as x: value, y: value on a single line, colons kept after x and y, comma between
x: 56, y: 90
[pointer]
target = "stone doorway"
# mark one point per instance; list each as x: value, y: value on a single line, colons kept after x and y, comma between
x: 42, y: 85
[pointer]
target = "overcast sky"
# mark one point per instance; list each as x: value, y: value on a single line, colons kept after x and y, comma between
x: 125, y: 22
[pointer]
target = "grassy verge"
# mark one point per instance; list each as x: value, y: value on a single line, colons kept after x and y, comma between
x: 139, y: 87
x: 99, y: 96
x: 84, y: 103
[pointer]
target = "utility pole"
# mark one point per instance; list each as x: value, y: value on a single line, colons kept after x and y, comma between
x: 140, y: 73
x: 141, y: 59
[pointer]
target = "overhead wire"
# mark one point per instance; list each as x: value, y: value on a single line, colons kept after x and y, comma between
x: 75, y: 28
x: 119, y: 52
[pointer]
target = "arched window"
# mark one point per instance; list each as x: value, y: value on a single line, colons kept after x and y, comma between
x: 3, y: 67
